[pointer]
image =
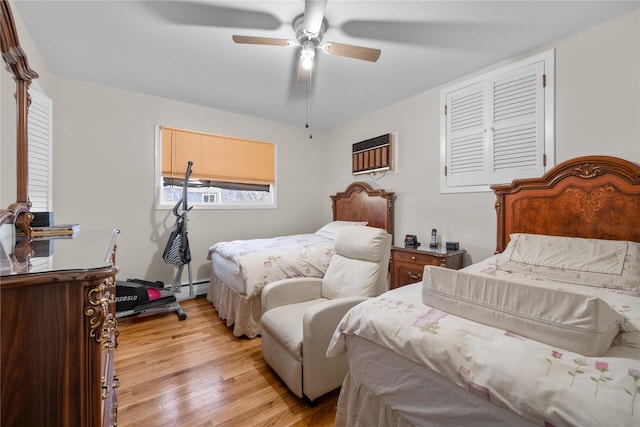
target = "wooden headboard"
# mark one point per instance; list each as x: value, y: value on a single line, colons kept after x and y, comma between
x: 360, y: 202
x: 592, y: 197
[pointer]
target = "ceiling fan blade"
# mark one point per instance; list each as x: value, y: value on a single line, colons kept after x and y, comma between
x: 351, y: 51
x: 313, y: 15
x: 191, y: 12
x: 443, y: 34
x: 261, y: 40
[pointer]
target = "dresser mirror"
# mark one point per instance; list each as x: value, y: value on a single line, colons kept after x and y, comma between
x: 17, y: 66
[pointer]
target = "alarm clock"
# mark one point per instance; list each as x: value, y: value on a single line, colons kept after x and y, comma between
x: 411, y: 240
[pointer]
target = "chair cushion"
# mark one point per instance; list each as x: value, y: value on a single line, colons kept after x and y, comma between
x: 350, y: 277
x: 284, y: 323
x: 365, y: 243
x: 356, y: 269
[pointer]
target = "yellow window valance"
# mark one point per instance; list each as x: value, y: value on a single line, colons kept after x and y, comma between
x: 217, y: 158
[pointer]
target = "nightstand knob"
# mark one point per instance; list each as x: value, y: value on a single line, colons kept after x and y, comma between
x: 413, y: 258
x: 415, y: 276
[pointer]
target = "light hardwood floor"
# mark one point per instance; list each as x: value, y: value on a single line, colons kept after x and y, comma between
x: 196, y: 373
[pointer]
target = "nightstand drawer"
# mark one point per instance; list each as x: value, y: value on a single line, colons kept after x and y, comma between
x: 413, y: 257
x: 405, y: 274
x: 407, y: 264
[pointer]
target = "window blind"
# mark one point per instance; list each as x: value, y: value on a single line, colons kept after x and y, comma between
x: 217, y: 158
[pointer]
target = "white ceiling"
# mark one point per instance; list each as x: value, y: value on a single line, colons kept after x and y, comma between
x: 183, y: 50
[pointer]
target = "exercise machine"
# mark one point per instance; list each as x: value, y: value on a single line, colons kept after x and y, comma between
x: 142, y: 297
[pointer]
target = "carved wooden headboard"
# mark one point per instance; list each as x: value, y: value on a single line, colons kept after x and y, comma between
x: 360, y: 202
x: 593, y: 197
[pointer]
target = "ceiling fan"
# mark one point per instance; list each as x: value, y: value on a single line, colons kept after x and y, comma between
x: 309, y: 28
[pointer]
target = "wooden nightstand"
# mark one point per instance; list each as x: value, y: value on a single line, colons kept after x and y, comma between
x: 407, y: 264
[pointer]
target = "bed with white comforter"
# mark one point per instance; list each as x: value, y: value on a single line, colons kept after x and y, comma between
x: 545, y: 333
x: 241, y: 268
x: 246, y: 266
x: 528, y: 381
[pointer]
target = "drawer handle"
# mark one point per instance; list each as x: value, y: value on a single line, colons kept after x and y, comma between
x: 413, y: 258
x: 105, y: 392
x: 414, y: 276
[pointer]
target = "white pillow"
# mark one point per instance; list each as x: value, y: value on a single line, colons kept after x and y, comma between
x: 591, y: 262
x: 569, y: 320
x: 329, y: 230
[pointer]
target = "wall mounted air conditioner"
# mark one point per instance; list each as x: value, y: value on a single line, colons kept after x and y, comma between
x: 373, y: 155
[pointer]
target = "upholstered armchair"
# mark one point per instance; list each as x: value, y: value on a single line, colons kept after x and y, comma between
x: 301, y: 314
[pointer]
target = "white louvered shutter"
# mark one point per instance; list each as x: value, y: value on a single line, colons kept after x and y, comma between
x: 517, y: 128
x: 495, y: 126
x: 466, y: 134
x: 39, y: 129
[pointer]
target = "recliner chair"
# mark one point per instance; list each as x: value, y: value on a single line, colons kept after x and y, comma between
x: 301, y: 314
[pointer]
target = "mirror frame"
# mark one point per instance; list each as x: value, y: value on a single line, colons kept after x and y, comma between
x: 16, y: 63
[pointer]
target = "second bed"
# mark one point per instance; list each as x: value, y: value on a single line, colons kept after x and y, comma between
x: 241, y: 268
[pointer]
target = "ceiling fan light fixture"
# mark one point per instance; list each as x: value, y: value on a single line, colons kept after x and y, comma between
x: 306, y: 57
x: 309, y: 28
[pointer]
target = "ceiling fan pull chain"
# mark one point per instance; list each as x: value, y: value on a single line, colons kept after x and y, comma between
x: 307, y: 89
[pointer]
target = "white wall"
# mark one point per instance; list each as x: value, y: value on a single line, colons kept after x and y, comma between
x: 598, y: 102
x: 104, y: 175
x: 103, y: 148
x: 103, y: 170
x: 597, y: 112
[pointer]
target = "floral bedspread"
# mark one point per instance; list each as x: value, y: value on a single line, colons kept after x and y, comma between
x: 545, y: 384
x: 262, y: 261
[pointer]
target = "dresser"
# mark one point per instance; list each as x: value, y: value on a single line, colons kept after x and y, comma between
x: 407, y: 264
x: 58, y: 334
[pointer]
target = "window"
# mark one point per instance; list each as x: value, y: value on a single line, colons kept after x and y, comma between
x: 226, y: 172
x: 210, y: 198
x: 39, y: 151
x: 498, y: 126
x: 39, y: 126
